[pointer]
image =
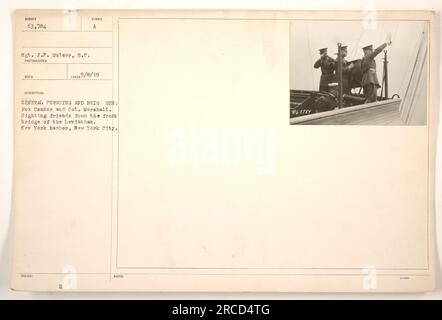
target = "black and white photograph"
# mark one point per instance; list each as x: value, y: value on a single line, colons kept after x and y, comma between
x: 358, y: 72
x: 147, y: 155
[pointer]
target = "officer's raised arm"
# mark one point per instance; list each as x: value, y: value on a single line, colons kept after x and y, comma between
x: 323, y: 54
x: 317, y: 63
x: 379, y: 49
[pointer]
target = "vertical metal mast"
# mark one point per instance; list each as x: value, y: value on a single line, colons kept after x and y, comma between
x: 385, y: 74
x: 340, y: 89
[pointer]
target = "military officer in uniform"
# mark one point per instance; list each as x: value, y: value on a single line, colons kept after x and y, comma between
x: 327, y: 65
x: 346, y: 69
x: 370, y: 82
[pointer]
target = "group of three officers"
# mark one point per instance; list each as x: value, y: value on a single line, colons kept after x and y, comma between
x: 369, y: 83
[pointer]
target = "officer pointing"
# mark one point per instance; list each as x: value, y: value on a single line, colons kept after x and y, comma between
x: 370, y: 81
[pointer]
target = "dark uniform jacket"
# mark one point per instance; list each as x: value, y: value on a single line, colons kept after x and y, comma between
x: 327, y: 65
x: 345, y: 75
x: 368, y: 66
x: 346, y: 72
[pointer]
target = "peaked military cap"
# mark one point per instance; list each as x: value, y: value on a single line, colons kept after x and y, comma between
x: 369, y: 47
x: 323, y: 50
